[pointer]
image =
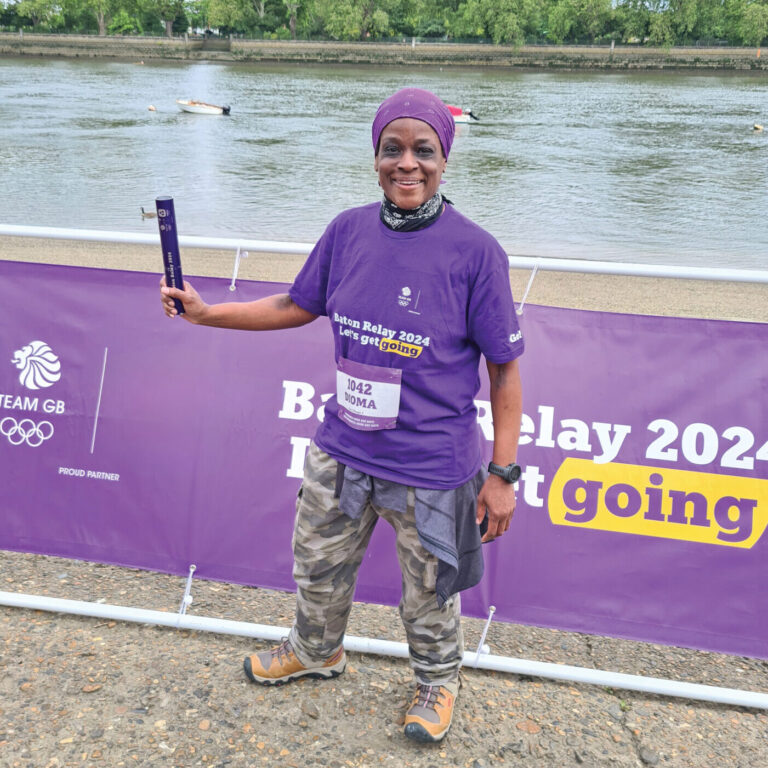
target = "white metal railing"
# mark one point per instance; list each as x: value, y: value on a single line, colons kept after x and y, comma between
x: 137, y: 238
x: 481, y: 659
x: 539, y: 263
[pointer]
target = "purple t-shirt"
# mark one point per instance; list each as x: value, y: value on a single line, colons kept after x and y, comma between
x: 411, y: 312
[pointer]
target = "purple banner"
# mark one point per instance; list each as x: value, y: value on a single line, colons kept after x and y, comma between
x: 132, y: 439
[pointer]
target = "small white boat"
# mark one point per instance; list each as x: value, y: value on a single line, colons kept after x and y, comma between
x: 461, y: 115
x: 201, y: 108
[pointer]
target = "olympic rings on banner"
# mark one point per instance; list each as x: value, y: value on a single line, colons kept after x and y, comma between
x: 26, y: 431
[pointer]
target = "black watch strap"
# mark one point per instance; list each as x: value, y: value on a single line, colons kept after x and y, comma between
x: 511, y: 473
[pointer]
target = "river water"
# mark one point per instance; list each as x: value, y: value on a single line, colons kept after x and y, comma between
x: 658, y: 167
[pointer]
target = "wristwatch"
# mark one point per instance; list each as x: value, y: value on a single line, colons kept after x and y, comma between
x: 511, y: 473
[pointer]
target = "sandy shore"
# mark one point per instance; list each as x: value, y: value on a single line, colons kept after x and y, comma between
x: 77, y: 691
x: 651, y: 296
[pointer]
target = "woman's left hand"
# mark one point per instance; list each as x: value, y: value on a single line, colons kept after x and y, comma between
x: 497, y: 500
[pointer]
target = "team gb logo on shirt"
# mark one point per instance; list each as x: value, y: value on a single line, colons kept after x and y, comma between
x: 404, y: 299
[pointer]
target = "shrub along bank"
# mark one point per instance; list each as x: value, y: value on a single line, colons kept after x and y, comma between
x: 407, y: 52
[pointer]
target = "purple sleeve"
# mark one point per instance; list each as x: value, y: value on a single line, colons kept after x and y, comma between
x: 310, y: 288
x: 491, y: 317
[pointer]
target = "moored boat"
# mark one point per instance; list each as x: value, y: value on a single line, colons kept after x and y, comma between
x: 201, y: 107
x: 461, y: 115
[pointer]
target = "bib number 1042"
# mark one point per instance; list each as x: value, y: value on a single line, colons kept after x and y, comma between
x: 360, y: 387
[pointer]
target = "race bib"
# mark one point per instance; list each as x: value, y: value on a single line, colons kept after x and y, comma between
x: 368, y: 395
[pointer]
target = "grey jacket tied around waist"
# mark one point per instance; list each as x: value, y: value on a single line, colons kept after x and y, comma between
x: 445, y: 522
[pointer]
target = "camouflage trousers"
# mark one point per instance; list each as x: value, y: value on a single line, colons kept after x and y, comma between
x: 328, y: 547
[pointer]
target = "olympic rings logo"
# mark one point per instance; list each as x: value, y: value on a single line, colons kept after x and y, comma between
x: 26, y: 431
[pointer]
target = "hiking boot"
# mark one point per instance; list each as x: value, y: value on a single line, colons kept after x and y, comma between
x: 279, y: 665
x: 431, y: 712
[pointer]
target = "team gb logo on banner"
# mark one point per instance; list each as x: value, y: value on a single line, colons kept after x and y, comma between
x: 38, y: 364
x: 39, y: 368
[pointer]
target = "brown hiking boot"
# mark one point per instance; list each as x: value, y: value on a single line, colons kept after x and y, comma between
x: 431, y: 712
x: 279, y: 665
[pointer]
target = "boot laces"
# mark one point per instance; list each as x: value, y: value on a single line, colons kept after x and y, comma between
x: 284, y: 650
x: 428, y: 696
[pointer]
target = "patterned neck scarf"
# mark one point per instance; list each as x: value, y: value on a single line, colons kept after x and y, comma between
x: 404, y: 220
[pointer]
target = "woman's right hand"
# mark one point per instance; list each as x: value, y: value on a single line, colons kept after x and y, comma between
x: 194, y: 306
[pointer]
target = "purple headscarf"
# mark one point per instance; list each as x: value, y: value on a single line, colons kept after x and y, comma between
x: 421, y: 105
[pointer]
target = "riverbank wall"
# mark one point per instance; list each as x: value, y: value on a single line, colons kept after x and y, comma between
x: 405, y: 53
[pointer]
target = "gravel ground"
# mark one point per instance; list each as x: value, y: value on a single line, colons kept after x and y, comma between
x: 79, y: 691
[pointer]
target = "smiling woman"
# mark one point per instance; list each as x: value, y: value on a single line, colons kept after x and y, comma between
x: 415, y: 293
x: 412, y: 135
x: 410, y: 162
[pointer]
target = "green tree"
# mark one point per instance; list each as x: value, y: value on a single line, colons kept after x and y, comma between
x: 77, y: 16
x: 561, y: 19
x: 463, y: 23
x: 197, y: 13
x: 292, y: 6
x: 754, y: 23
x: 729, y: 22
x: 633, y: 18
x: 146, y: 14
x: 712, y: 19
x: 504, y: 21
x: 234, y: 14
x: 691, y: 20
x: 246, y: 15
x: 683, y: 16
x: 38, y: 11
x: 309, y: 22
x: 432, y: 18
x: 169, y: 11
x: 593, y: 16
x: 355, y: 19
x: 660, y: 30
x: 575, y: 20
x: 124, y: 24
x: 103, y: 10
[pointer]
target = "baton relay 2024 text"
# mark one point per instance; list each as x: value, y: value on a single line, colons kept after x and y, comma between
x: 591, y: 489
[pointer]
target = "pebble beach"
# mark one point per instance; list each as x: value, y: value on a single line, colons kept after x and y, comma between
x: 80, y: 691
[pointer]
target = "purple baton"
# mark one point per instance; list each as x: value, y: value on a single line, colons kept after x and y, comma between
x: 169, y: 240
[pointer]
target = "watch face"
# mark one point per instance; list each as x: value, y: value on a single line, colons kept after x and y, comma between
x: 511, y: 473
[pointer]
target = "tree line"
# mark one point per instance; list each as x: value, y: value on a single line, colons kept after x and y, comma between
x: 649, y: 22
